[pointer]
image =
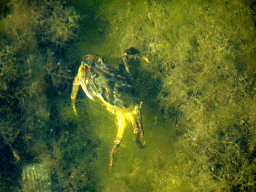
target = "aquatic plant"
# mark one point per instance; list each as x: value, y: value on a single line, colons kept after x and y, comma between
x: 204, y: 54
x: 29, y: 76
x: 60, y: 24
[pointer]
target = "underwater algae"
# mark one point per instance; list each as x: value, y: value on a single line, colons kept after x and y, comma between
x: 204, y: 54
x: 33, y: 75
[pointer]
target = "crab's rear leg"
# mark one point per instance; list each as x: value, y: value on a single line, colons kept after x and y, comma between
x: 120, y: 133
x: 76, y: 85
x: 137, y: 124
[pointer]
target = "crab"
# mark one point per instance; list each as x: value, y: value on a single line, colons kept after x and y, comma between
x: 115, y: 89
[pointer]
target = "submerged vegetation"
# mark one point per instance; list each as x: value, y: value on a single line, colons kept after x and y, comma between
x: 204, y: 54
x: 198, y: 90
x: 34, y: 73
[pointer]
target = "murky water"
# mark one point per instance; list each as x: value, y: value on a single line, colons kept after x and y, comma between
x: 196, y: 78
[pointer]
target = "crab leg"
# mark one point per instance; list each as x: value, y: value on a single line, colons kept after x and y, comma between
x: 84, y: 78
x: 75, y: 89
x: 120, y: 133
x: 138, y: 128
